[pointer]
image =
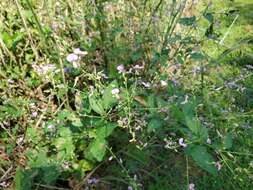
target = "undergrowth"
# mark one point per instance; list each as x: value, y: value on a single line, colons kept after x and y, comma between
x: 133, y: 95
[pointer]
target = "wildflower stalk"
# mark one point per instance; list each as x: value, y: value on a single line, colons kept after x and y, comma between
x: 36, y: 20
x: 100, y: 25
x: 26, y: 28
x: 62, y: 70
x: 153, y: 14
x: 172, y: 23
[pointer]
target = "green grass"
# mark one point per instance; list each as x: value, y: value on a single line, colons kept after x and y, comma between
x: 90, y: 124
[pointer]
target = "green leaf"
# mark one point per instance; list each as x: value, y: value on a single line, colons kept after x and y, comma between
x: 98, y: 148
x: 197, y: 56
x: 209, y: 17
x: 22, y: 180
x: 154, y: 125
x: 64, y: 143
x: 228, y: 141
x: 205, y: 160
x: 96, y: 104
x: 63, y: 114
x: 108, y: 100
x: 187, y: 21
x: 105, y: 131
x: 193, y: 124
x: 203, y: 133
x: 50, y: 174
x: 86, y: 165
x: 7, y: 39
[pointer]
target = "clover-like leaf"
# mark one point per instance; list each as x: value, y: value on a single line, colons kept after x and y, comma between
x: 205, y: 160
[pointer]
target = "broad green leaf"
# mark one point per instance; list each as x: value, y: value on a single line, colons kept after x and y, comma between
x: 33, y: 135
x: 187, y: 21
x: 209, y: 17
x: 22, y: 180
x: 62, y: 115
x: 105, y: 131
x: 98, y: 148
x: 197, y: 56
x: 37, y: 158
x: 96, y: 104
x: 64, y: 143
x: 205, y: 160
x: 50, y: 174
x: 77, y: 122
x: 86, y: 165
x: 7, y: 39
x: 193, y: 124
x: 189, y: 109
x: 154, y: 125
x: 151, y: 103
x: 203, y: 133
x: 228, y: 141
x: 108, y: 100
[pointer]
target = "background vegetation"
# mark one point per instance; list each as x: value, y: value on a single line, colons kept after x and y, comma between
x: 116, y: 94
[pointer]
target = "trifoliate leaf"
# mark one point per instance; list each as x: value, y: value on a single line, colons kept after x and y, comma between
x: 205, y: 160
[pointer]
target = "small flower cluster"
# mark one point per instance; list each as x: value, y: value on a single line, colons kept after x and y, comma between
x: 75, y: 57
x: 33, y: 108
x: 169, y: 143
x: 122, y: 122
x: 134, y: 69
x: 44, y: 70
x: 191, y: 186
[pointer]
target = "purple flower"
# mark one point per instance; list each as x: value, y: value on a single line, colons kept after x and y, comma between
x: 92, y: 181
x: 10, y: 81
x: 121, y: 68
x: 77, y: 51
x: 67, y: 70
x: 129, y: 188
x: 182, y: 143
x: 191, y: 186
x: 72, y: 57
x: 34, y: 114
x: 115, y: 91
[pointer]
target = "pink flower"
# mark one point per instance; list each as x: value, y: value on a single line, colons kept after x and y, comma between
x: 115, y: 91
x: 72, y: 57
x: 34, y: 114
x: 77, y: 51
x: 10, y: 81
x: 181, y: 142
x: 191, y: 186
x: 121, y: 68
